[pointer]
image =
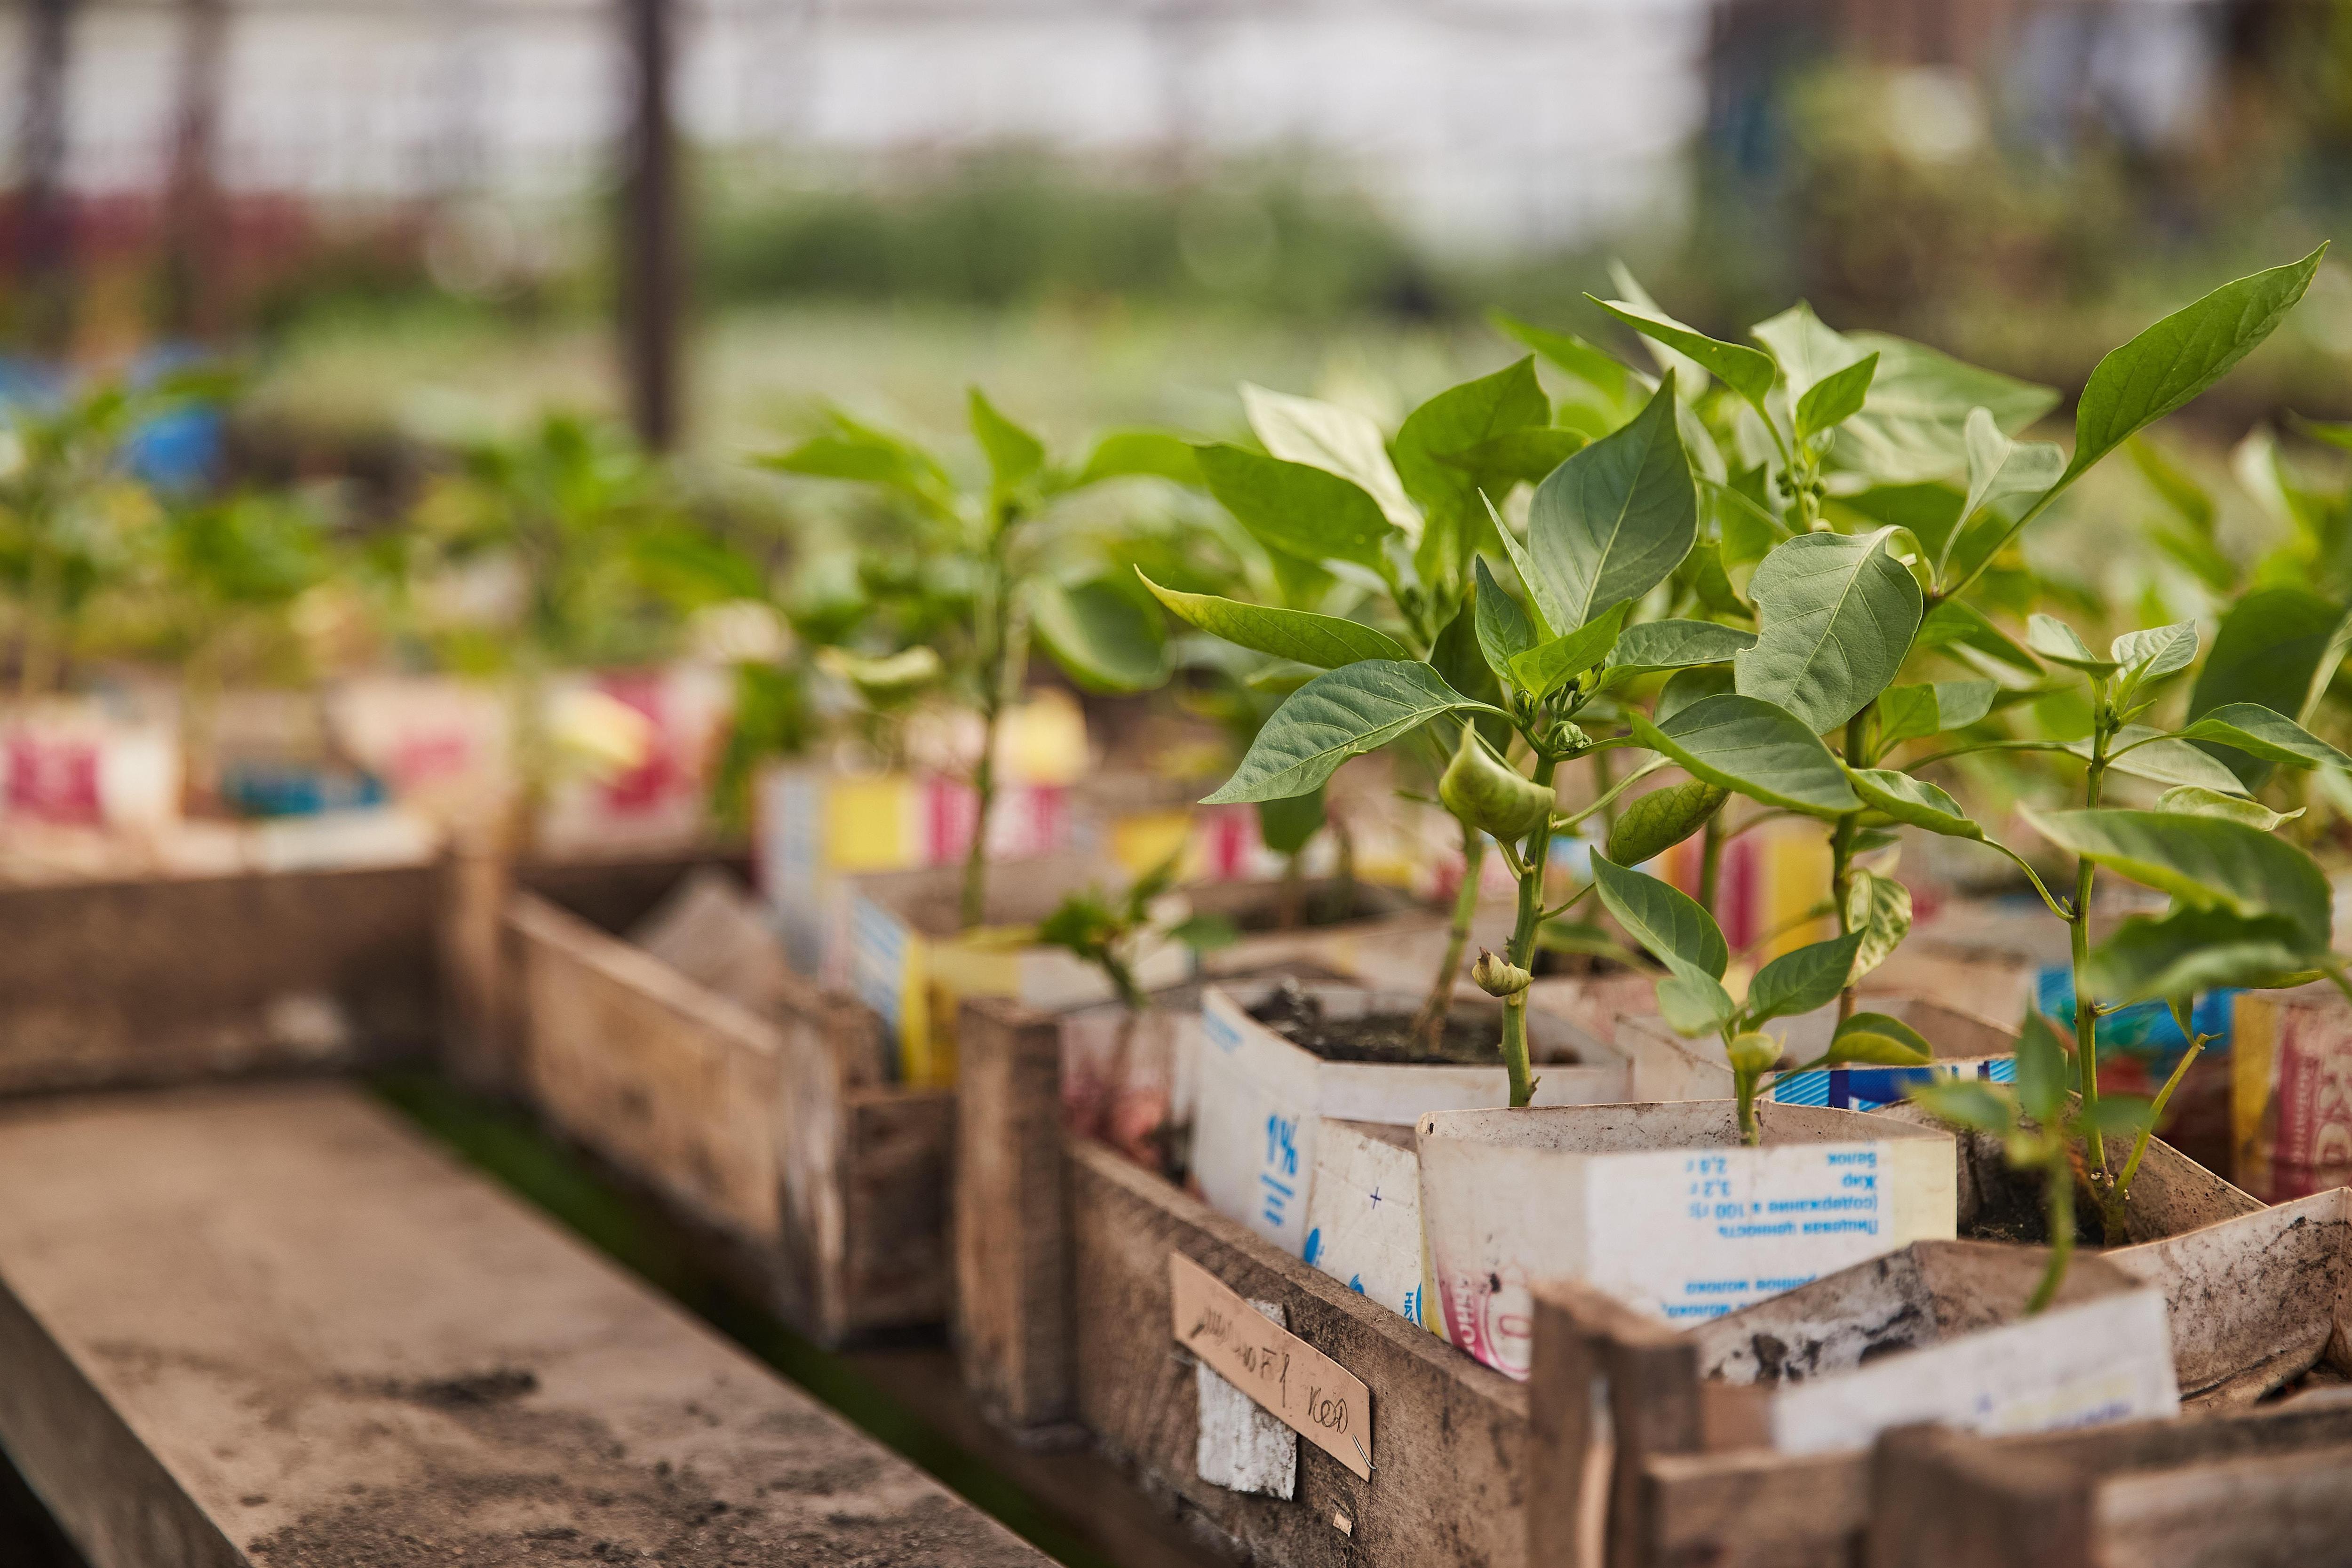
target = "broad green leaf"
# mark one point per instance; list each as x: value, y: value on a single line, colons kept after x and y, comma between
x: 1878, y: 909
x: 2204, y: 862
x: 1685, y: 687
x: 1155, y: 453
x: 1908, y: 713
x: 1460, y: 420
x: 1615, y: 519
x: 1461, y: 663
x: 2193, y: 950
x: 1504, y: 630
x: 1592, y: 365
x: 1953, y: 624
x: 1837, y: 613
x: 1882, y: 1040
x: 1809, y: 352
x: 2276, y: 646
x: 1748, y: 372
x: 1912, y: 801
x: 1341, y: 441
x: 1105, y: 635
x: 1690, y: 376
x: 1666, y: 922
x: 1339, y: 714
x: 2159, y: 759
x: 2040, y: 1071
x: 1801, y: 981
x: 1746, y: 745
x: 1913, y: 425
x: 1676, y: 645
x: 2259, y: 732
x: 1287, y: 824
x: 1999, y: 469
x: 2148, y: 657
x: 868, y: 456
x: 1836, y: 398
x: 1489, y: 794
x: 1327, y: 642
x: 2196, y: 801
x: 1662, y: 819
x: 1542, y: 669
x: 1308, y: 511
x: 2182, y: 355
x: 1693, y: 1003
x: 1749, y: 531
x: 1516, y: 457
x: 1965, y: 1102
x: 1013, y: 454
x: 2054, y: 641
x: 1549, y: 615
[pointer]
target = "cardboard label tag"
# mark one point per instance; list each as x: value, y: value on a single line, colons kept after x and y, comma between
x: 1298, y: 1385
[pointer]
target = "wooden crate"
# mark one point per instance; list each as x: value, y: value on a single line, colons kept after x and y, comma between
x: 770, y: 1130
x: 1063, y: 1323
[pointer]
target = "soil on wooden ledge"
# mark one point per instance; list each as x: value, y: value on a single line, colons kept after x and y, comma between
x: 1473, y: 1035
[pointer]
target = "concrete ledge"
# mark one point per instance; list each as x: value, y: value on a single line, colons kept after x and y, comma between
x: 271, y: 1328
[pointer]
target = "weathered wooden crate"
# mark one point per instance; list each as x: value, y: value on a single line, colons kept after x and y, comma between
x: 775, y: 1130
x: 2253, y: 1490
x: 1063, y: 1319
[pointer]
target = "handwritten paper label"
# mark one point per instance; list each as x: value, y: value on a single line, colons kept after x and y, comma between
x: 1298, y: 1385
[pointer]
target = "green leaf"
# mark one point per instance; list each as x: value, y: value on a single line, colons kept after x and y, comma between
x: 1912, y: 801
x: 1748, y: 372
x: 1100, y: 634
x: 1668, y: 923
x: 1461, y: 420
x: 2259, y: 732
x: 1676, y: 645
x: 1205, y: 932
x: 1685, y: 687
x: 1878, y: 909
x: 2054, y: 641
x: 2040, y: 1071
x: 1809, y: 352
x: 1837, y: 613
x: 1287, y: 824
x: 1339, y: 714
x: 2277, y: 646
x: 2148, y: 657
x: 1999, y: 469
x: 1952, y: 624
x: 1913, y: 425
x: 1836, y: 398
x: 1594, y: 366
x: 1337, y: 440
x: 2193, y: 950
x: 1547, y: 613
x: 1908, y: 713
x: 1881, y: 1040
x: 1693, y: 1003
x: 1801, y: 981
x: 1662, y: 819
x: 2192, y: 801
x: 1504, y: 630
x: 1965, y: 1102
x: 1013, y: 454
x: 2117, y: 1115
x: 1544, y: 668
x: 867, y: 456
x: 1308, y: 511
x: 2182, y: 355
x: 1153, y: 453
x: 1746, y: 745
x: 2204, y: 862
x: 2161, y: 760
x: 1516, y: 457
x: 1327, y: 642
x: 1614, y: 521
x: 1461, y: 663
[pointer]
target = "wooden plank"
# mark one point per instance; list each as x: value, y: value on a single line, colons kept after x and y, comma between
x: 1011, y: 1313
x: 1446, y: 1483
x: 270, y: 1326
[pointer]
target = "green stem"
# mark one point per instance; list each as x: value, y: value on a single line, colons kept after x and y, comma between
x: 2155, y: 1115
x: 2086, y: 1012
x: 983, y: 788
x: 1430, y: 1026
x: 1521, y: 953
x: 1743, y: 1090
x: 995, y: 651
x: 2059, y: 1201
x: 1857, y: 754
x: 1710, y: 861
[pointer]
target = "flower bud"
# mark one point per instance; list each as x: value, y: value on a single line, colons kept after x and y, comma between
x: 1490, y: 795
x: 1753, y: 1053
x: 1498, y: 976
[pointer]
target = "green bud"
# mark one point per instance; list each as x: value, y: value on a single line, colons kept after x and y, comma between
x: 1753, y: 1053
x: 1500, y: 976
x: 1490, y: 795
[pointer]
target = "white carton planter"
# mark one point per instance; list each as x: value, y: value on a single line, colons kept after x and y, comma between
x: 1261, y: 1100
x: 1363, y: 1215
x: 1666, y: 1066
x: 1661, y: 1206
x: 1936, y: 1332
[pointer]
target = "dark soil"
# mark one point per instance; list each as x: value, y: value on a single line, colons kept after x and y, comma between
x: 1316, y: 908
x: 2013, y: 1212
x: 1473, y: 1035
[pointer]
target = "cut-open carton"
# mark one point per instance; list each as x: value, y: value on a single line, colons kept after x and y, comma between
x: 1663, y: 1207
x: 1668, y: 1065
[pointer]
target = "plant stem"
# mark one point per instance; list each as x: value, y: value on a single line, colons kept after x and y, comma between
x: 1857, y: 754
x: 1744, y: 1088
x: 1289, y: 897
x: 2058, y: 1199
x: 1710, y: 861
x: 1430, y: 1028
x: 994, y: 648
x: 2087, y: 1011
x: 1521, y: 953
x: 2155, y: 1115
